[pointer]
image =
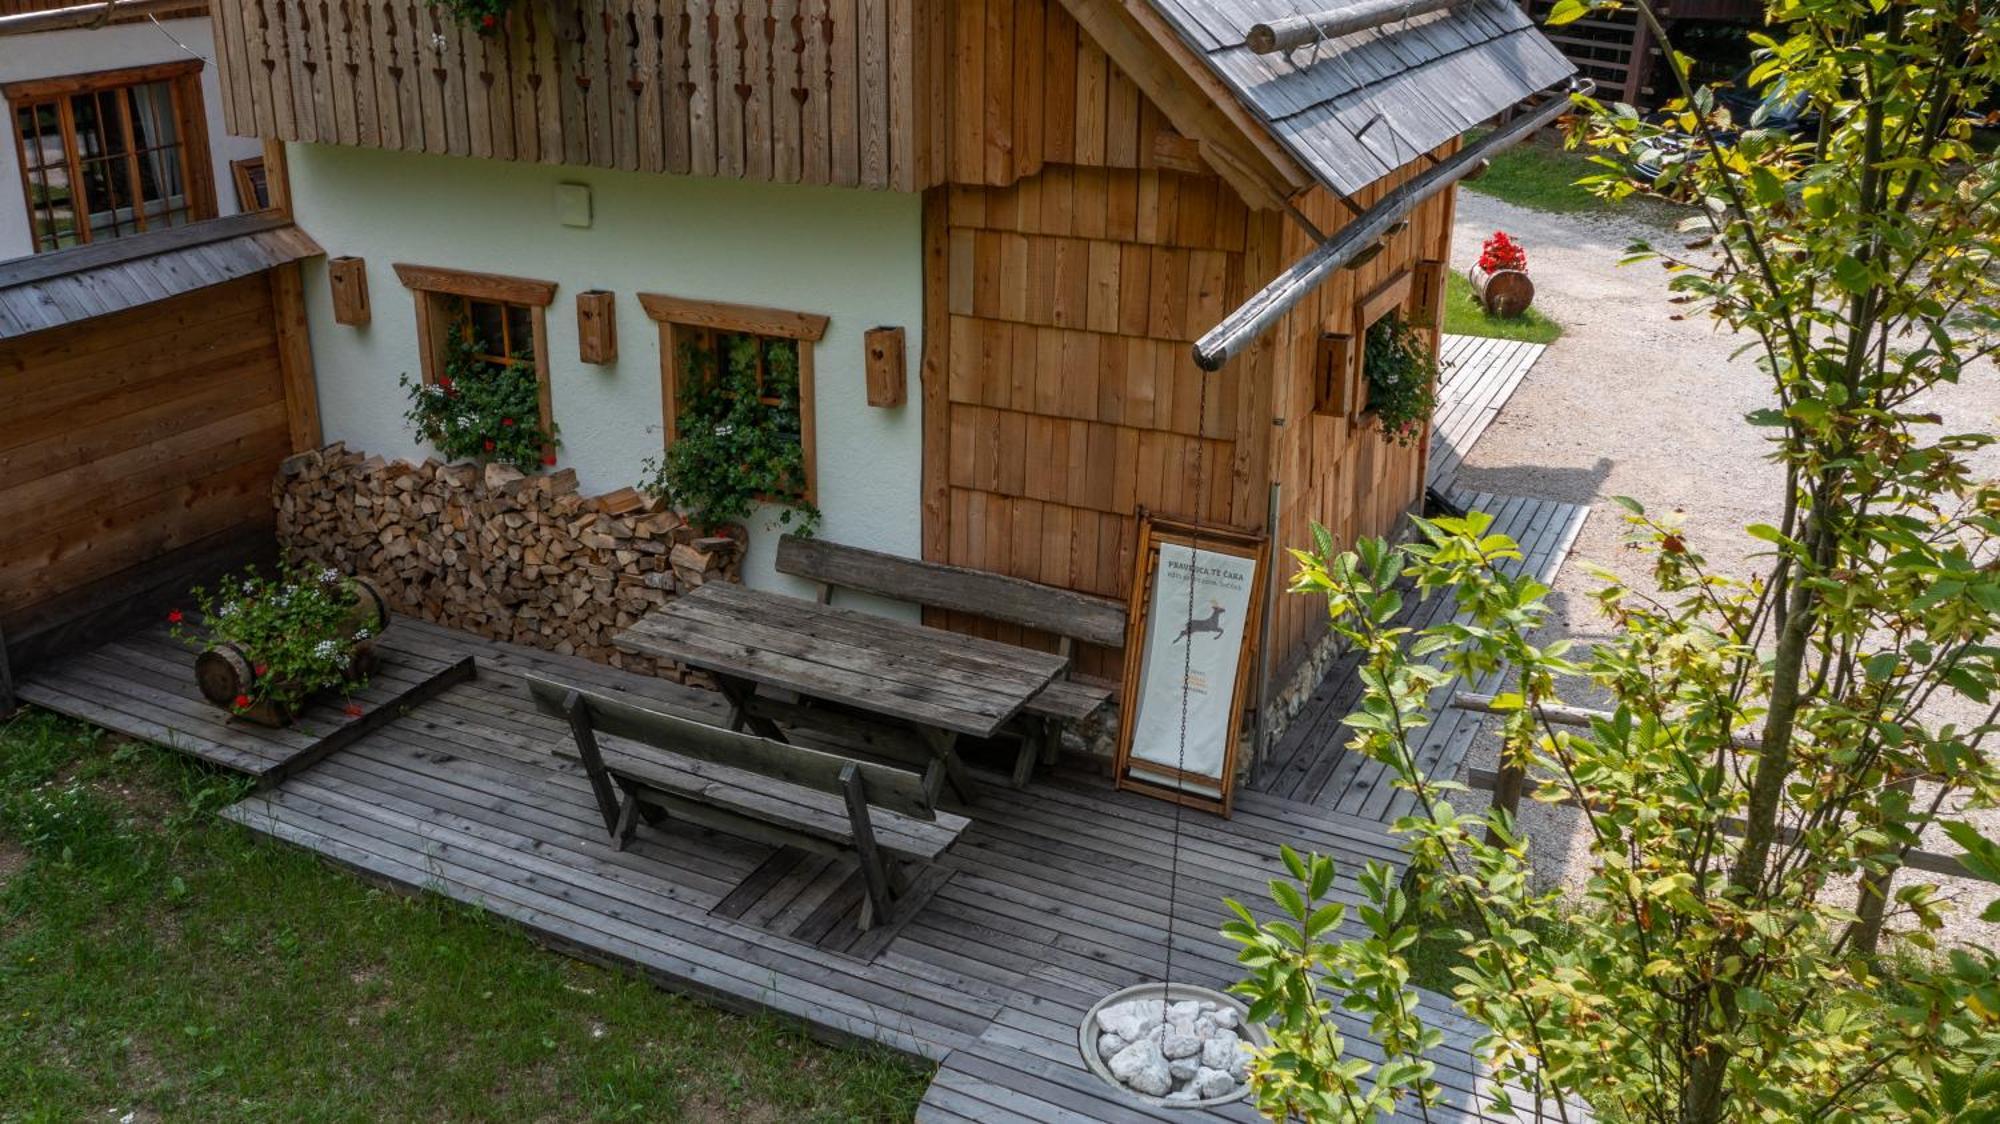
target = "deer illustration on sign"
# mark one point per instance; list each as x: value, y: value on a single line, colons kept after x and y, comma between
x: 1212, y: 623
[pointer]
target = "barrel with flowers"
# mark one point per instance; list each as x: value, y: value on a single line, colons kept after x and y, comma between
x: 269, y: 645
x: 1500, y: 278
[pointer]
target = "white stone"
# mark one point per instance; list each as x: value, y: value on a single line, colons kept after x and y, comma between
x: 1219, y: 1051
x: 1187, y: 1010
x: 1226, y: 1017
x: 1141, y: 1067
x: 1183, y: 1069
x: 1180, y: 1041
x: 1239, y: 1066
x: 1109, y: 1044
x: 1130, y: 1020
x: 1213, y: 1083
x: 1187, y: 1094
x: 1204, y: 1028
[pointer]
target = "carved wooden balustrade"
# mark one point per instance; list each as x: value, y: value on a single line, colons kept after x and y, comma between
x: 796, y: 91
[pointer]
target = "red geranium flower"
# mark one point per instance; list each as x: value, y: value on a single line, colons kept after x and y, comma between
x: 242, y: 702
x: 489, y: 444
x: 549, y: 459
x: 1501, y: 252
x: 352, y: 710
x: 486, y: 21
x: 261, y: 668
x: 506, y: 421
x: 174, y: 616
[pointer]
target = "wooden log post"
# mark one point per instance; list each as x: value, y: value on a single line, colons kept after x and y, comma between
x: 887, y: 381
x: 347, y: 278
x: 597, y: 326
x: 1504, y: 293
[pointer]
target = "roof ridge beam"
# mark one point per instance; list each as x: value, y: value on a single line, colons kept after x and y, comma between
x: 1309, y: 28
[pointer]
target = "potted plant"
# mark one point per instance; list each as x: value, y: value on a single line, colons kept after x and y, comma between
x: 1401, y: 378
x: 736, y: 436
x: 483, y: 410
x: 269, y: 644
x: 1500, y: 278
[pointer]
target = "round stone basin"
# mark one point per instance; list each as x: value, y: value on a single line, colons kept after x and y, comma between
x: 1090, y: 1030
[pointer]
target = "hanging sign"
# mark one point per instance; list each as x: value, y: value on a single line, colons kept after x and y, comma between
x: 1190, y: 639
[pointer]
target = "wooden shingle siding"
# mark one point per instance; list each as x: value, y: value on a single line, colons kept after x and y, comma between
x: 792, y: 91
x: 1082, y: 249
x: 135, y: 434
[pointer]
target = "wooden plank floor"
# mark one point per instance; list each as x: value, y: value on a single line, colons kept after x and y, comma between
x: 1479, y: 376
x: 142, y: 685
x: 1311, y: 762
x: 1056, y: 894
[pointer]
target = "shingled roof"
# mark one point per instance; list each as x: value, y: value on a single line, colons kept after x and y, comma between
x: 1356, y: 108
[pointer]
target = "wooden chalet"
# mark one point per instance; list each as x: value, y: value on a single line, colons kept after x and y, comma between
x: 1129, y: 249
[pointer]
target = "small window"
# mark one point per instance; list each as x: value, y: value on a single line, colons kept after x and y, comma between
x: 112, y: 154
x: 712, y: 354
x: 502, y: 318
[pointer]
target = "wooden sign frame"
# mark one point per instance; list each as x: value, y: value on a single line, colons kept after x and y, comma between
x: 1151, y: 778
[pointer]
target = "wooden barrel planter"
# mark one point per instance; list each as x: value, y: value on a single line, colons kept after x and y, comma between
x: 1504, y: 293
x: 226, y: 671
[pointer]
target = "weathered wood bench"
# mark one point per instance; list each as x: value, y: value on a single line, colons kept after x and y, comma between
x: 1069, y: 615
x: 785, y: 795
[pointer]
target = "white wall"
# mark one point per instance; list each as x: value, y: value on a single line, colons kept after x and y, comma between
x: 58, y: 54
x: 853, y: 256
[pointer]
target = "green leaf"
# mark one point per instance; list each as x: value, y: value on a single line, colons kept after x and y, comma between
x: 1567, y: 11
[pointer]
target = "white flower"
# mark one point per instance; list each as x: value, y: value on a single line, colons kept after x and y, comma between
x: 228, y: 609
x: 329, y: 575
x: 249, y: 587
x: 360, y: 634
x: 327, y: 649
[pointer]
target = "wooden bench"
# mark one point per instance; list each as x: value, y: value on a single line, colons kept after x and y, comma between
x: 1069, y: 615
x: 744, y: 785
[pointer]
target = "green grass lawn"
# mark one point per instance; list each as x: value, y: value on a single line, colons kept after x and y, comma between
x: 1541, y: 174
x: 1463, y: 316
x: 159, y: 961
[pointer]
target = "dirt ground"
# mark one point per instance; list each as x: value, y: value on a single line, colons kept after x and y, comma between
x: 1631, y: 402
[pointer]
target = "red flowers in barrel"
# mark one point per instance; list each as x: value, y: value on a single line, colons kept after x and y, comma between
x: 268, y: 644
x: 1500, y: 279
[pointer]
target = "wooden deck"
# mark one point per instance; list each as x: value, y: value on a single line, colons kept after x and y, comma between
x: 1479, y: 376
x: 1055, y: 895
x: 143, y: 685
x: 1311, y: 762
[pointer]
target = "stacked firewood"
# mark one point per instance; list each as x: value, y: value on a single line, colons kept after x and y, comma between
x: 486, y: 549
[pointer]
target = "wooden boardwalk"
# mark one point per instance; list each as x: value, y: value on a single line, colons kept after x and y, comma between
x: 1479, y: 376
x: 1311, y: 762
x: 1056, y: 894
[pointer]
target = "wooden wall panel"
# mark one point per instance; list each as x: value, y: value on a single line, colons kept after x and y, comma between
x: 1337, y: 470
x: 137, y: 434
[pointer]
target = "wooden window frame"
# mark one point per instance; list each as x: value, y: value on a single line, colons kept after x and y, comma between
x: 428, y: 283
x: 183, y: 77
x: 677, y: 316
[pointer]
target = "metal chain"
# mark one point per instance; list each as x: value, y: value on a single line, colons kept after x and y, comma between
x: 1187, y: 674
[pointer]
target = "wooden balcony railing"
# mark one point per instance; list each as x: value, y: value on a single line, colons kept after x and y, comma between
x: 800, y: 91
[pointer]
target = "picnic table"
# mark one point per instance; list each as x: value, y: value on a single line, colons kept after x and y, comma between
x: 941, y: 685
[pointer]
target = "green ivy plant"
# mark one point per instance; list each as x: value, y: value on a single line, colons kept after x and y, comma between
x: 1402, y: 379
x: 296, y: 629
x: 482, y: 410
x: 737, y: 440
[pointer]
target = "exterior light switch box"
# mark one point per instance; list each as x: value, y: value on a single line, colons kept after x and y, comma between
x: 573, y: 204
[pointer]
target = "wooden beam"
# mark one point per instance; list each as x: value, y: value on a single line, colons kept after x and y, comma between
x: 480, y: 286
x: 726, y: 317
x: 1308, y: 28
x: 277, y: 177
x: 295, y: 361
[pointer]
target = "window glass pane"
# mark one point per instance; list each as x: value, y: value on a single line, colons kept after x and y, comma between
x: 105, y: 162
x: 520, y: 331
x: 488, y: 327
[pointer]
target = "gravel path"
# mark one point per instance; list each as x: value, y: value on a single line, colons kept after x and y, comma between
x: 1631, y: 402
